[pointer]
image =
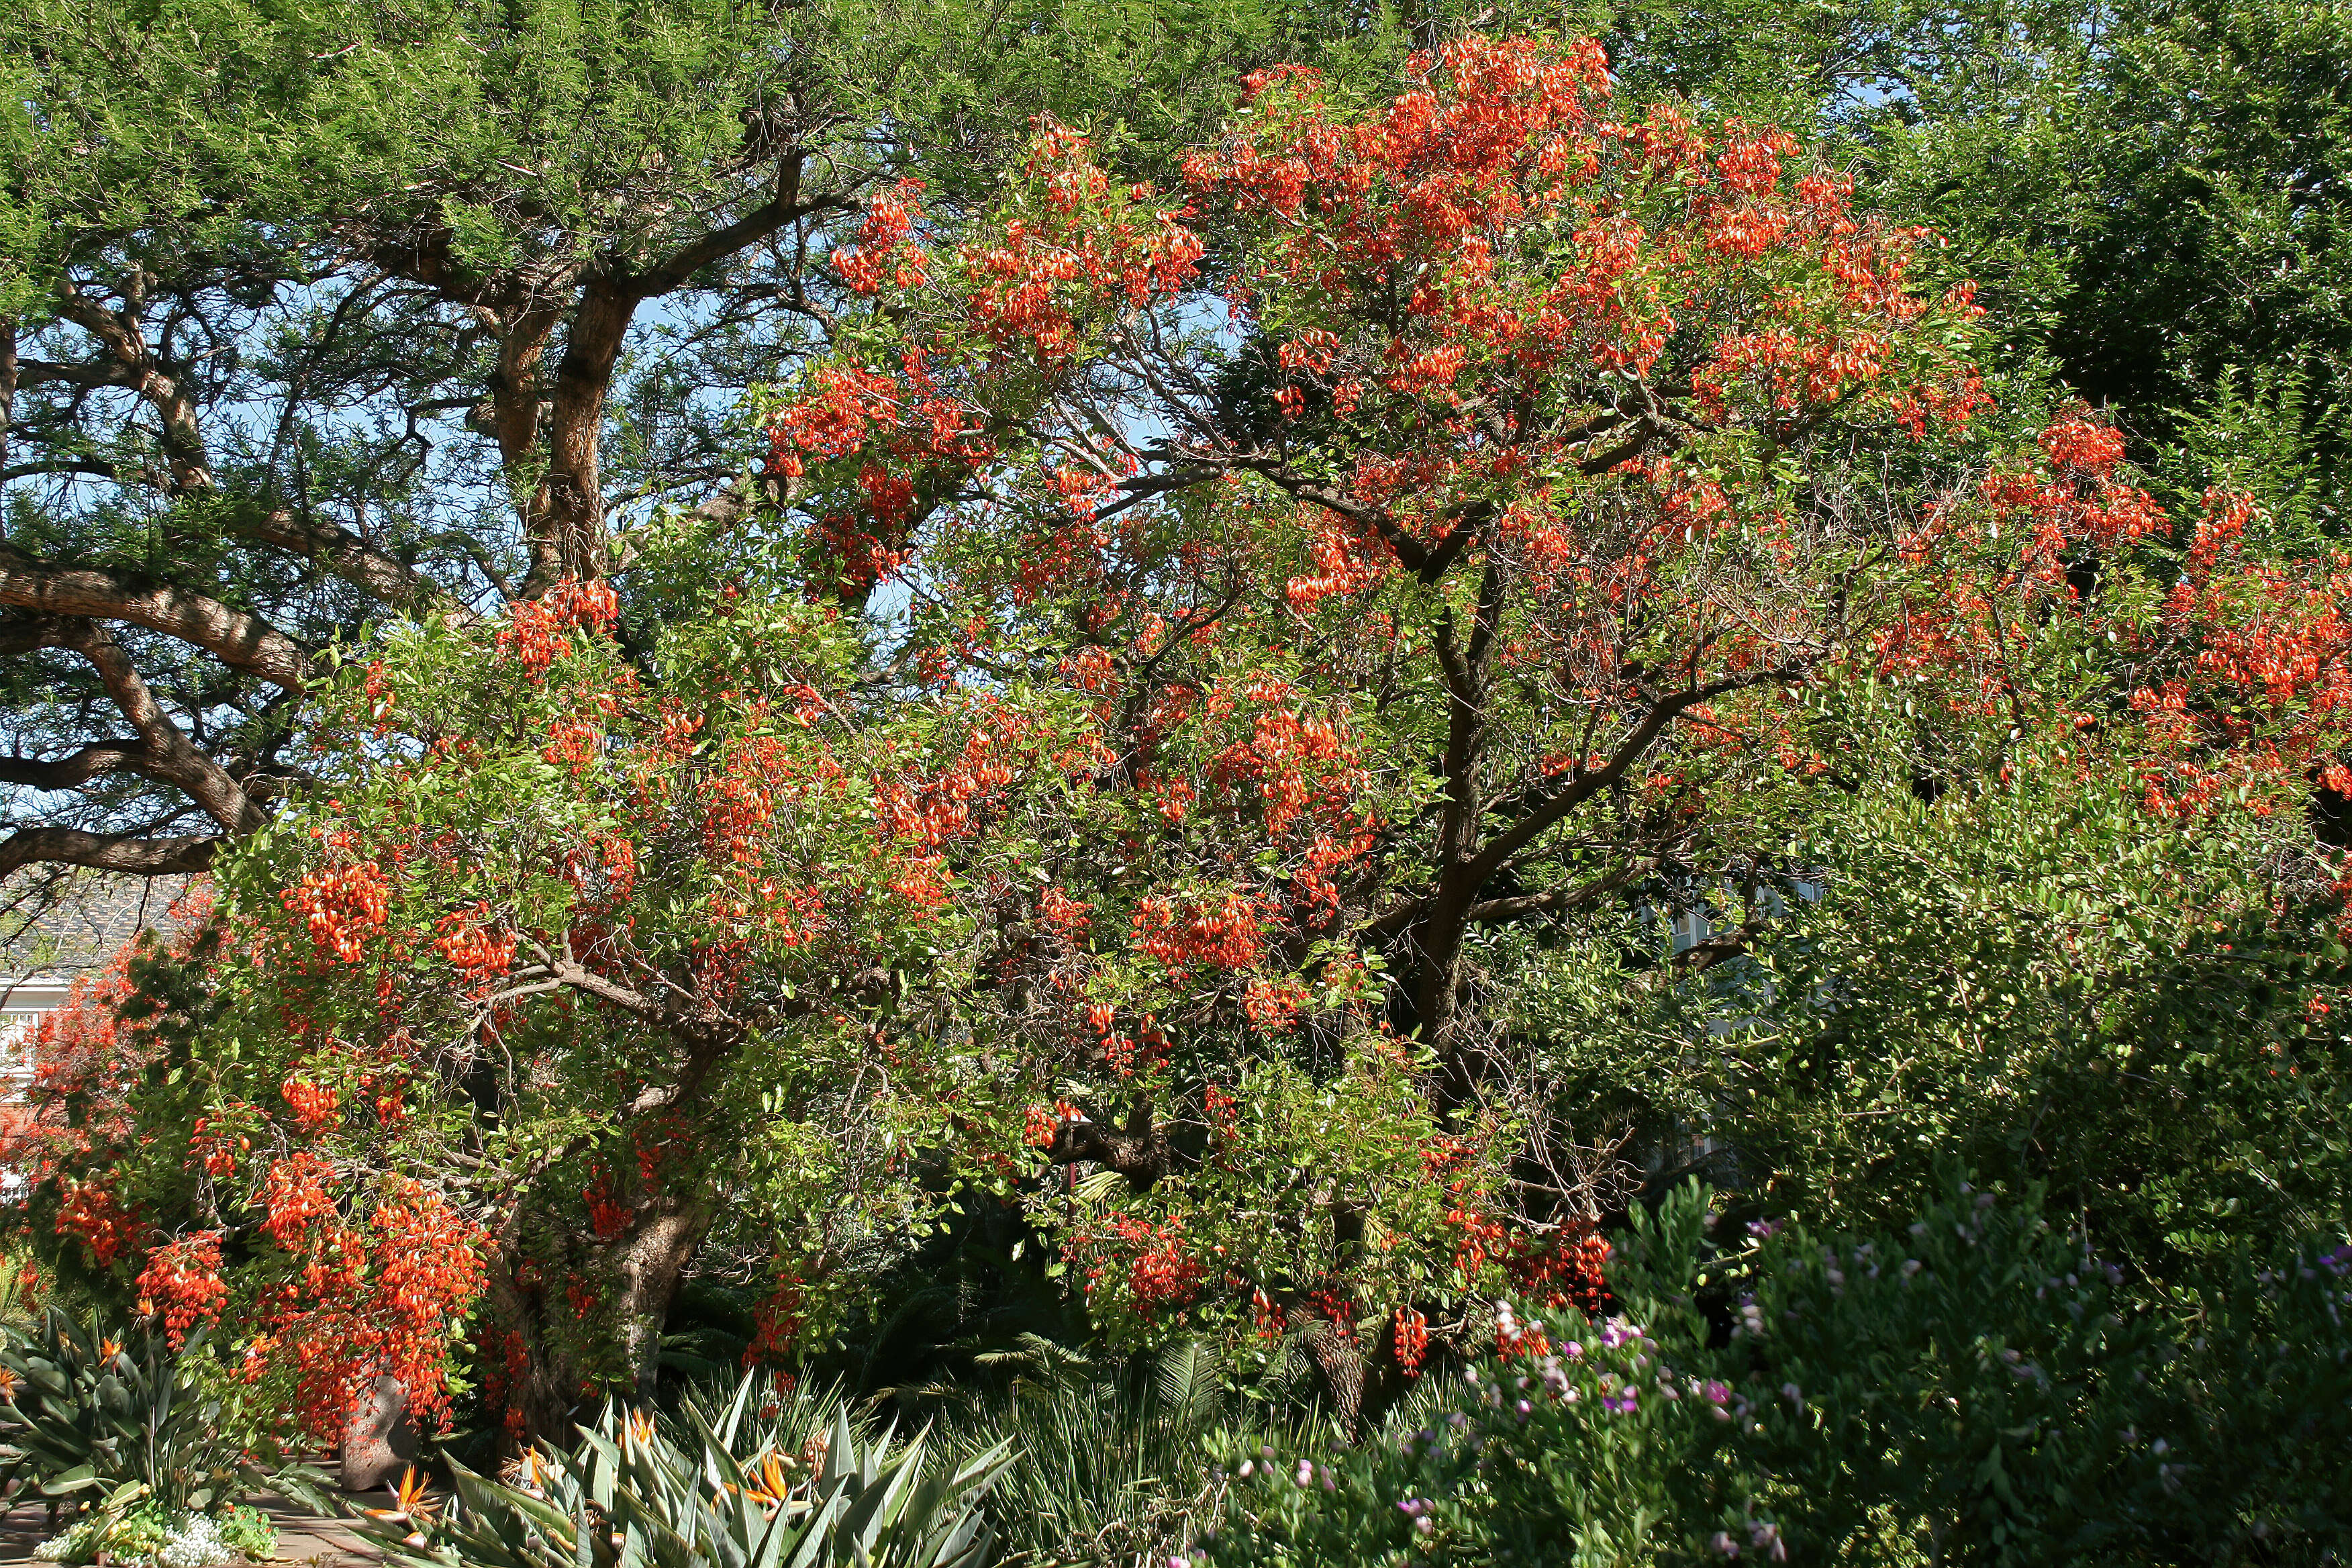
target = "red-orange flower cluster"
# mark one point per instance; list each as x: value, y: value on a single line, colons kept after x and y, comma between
x: 538, y: 631
x: 90, y: 1212
x: 183, y: 1279
x: 293, y: 1195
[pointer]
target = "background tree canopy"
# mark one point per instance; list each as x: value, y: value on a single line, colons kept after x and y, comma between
x: 324, y: 314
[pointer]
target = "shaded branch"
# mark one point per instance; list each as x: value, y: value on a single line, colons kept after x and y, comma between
x: 350, y: 557
x: 236, y: 638
x: 167, y: 756
x: 128, y: 852
x: 77, y: 768
x: 1588, y: 783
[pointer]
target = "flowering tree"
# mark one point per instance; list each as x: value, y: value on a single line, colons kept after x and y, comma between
x: 1474, y: 512
x: 1196, y: 625
x: 1496, y: 472
x: 566, y: 954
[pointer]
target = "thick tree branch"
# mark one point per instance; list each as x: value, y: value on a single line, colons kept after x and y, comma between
x: 1502, y: 911
x: 165, y: 388
x: 133, y: 853
x: 1588, y: 783
x: 784, y: 207
x: 1701, y: 956
x: 1141, y: 1152
x: 568, y: 540
x: 240, y: 640
x: 22, y: 634
x: 350, y: 557
x: 77, y: 768
x: 168, y: 756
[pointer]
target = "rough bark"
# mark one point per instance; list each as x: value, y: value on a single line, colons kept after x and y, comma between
x: 165, y: 755
x: 545, y: 1389
x: 238, y: 639
x: 640, y: 1273
x: 1340, y: 1365
x: 128, y: 360
x: 380, y: 1439
x: 650, y: 1261
x: 136, y: 854
x: 350, y: 557
x: 1141, y: 1152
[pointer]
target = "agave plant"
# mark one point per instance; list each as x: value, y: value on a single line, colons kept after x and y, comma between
x: 630, y: 1496
x: 113, y: 1414
x: 781, y: 1420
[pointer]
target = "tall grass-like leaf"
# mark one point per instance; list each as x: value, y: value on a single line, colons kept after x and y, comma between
x: 1114, y: 1468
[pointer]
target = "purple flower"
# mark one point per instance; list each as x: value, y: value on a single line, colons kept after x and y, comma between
x: 1763, y: 1228
x: 1715, y: 1393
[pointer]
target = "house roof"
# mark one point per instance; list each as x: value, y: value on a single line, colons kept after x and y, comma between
x: 67, y: 929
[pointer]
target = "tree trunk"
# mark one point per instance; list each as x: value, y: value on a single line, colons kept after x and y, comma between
x: 1341, y: 1367
x: 571, y: 540
x: 650, y: 1261
x: 537, y: 1337
x: 539, y: 1370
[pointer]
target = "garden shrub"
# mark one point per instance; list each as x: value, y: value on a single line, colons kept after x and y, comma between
x: 150, y: 1533
x: 1975, y: 1388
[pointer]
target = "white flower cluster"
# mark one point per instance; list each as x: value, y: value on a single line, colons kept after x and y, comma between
x: 66, y: 1544
x: 194, y: 1542
x: 197, y: 1543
